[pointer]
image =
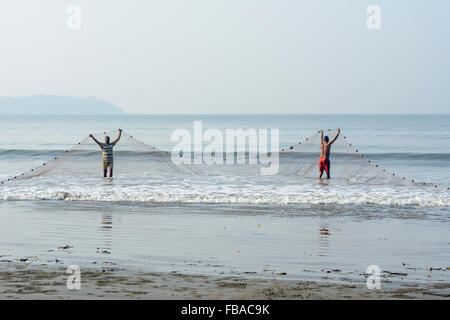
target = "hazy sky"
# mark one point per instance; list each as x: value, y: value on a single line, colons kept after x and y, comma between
x: 232, y: 56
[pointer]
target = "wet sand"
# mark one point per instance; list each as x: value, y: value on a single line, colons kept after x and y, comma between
x: 31, y: 282
x: 214, y: 252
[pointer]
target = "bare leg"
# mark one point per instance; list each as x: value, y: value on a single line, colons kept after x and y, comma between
x: 321, y: 174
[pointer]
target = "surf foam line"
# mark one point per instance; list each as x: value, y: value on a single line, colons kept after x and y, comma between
x: 353, y: 167
x: 427, y: 200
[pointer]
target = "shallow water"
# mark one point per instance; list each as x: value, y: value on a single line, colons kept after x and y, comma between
x: 229, y: 240
x: 208, y: 223
x: 411, y: 146
x: 201, y: 189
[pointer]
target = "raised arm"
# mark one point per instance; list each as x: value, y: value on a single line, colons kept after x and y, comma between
x: 118, y: 137
x: 321, y: 136
x: 337, y: 135
x: 95, y: 140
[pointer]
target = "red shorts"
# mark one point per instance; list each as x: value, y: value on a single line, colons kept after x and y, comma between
x: 324, y: 164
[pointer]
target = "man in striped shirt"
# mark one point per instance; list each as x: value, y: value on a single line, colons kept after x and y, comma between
x: 107, y: 150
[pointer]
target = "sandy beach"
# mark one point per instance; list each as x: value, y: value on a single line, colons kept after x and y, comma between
x: 25, y: 282
x: 213, y: 252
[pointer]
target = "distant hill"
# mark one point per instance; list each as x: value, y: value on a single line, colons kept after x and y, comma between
x: 43, y: 104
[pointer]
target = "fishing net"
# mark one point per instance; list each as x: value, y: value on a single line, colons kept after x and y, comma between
x: 133, y: 158
x: 85, y: 159
x: 347, y: 162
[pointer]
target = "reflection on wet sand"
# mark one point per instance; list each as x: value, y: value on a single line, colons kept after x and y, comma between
x: 324, y: 241
x: 206, y: 239
x: 106, y: 232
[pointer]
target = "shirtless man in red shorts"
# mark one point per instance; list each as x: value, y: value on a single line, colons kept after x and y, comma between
x: 325, y: 147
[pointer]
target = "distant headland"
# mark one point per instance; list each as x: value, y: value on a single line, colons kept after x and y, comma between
x: 58, y: 105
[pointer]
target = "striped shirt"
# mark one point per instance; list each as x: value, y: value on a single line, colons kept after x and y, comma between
x: 107, y: 149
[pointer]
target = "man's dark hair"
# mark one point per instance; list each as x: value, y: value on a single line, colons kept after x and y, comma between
x: 326, y: 139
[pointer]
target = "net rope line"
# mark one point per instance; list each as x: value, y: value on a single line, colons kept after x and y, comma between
x: 393, y: 174
x: 55, y: 159
x: 299, y: 164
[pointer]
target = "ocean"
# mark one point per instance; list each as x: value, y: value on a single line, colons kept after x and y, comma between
x: 229, y: 224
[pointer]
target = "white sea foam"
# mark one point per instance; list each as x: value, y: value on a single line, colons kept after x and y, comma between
x: 223, y: 190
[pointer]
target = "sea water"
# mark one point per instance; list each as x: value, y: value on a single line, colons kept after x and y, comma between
x: 416, y: 147
x: 170, y: 222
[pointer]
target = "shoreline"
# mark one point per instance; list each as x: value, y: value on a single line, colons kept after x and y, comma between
x: 214, y: 241
x: 50, y: 282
